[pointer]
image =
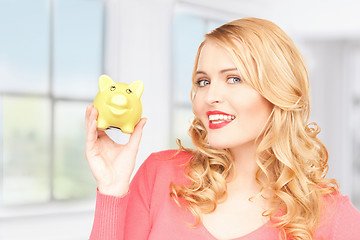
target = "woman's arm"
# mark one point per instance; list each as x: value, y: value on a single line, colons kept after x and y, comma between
x: 126, y: 217
x: 110, y: 212
x: 112, y: 165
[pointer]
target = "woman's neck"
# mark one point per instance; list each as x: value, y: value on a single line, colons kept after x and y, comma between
x: 245, y: 169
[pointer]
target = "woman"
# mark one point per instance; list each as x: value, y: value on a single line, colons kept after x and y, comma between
x: 258, y: 170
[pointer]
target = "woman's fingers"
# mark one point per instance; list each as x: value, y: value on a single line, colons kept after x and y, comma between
x: 91, y: 127
x: 91, y: 136
x: 87, y: 115
x: 92, y: 133
x: 135, y: 137
x: 93, y: 114
x: 90, y: 115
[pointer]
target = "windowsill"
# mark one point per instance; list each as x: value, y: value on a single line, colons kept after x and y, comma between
x: 45, y: 209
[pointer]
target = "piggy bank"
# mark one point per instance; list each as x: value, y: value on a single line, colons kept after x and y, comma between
x: 118, y: 104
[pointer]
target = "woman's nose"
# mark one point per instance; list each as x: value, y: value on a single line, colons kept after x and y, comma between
x: 214, y: 93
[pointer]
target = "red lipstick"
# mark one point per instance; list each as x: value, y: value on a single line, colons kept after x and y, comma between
x: 217, y: 122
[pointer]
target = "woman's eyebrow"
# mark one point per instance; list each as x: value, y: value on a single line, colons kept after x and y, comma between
x: 222, y: 71
x: 228, y: 70
x: 200, y: 72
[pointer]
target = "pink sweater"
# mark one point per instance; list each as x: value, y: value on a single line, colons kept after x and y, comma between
x: 148, y: 212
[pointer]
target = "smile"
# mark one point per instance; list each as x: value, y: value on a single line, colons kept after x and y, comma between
x: 117, y: 111
x: 219, y: 119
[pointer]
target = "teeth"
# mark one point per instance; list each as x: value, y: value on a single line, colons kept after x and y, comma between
x: 217, y: 117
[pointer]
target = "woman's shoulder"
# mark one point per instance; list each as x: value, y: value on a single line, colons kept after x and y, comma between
x: 335, y: 203
x: 340, y: 218
x: 171, y: 154
x: 168, y: 158
x: 167, y: 164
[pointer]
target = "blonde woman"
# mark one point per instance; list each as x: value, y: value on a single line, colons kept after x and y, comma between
x: 257, y: 170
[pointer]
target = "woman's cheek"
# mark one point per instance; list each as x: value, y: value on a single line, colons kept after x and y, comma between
x: 199, y: 111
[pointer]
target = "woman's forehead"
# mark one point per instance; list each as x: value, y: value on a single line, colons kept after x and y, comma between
x: 212, y: 56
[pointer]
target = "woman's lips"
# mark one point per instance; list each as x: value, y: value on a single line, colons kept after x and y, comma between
x: 218, y: 119
x: 218, y: 125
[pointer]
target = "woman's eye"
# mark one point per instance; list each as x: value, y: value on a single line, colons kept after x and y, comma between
x: 202, y: 83
x: 234, y: 80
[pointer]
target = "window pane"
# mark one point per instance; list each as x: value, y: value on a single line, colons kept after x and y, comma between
x: 24, y: 63
x: 26, y: 139
x: 72, y: 175
x: 188, y: 34
x: 77, y: 47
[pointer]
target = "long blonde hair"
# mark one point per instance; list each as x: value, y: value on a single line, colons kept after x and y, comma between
x: 290, y: 157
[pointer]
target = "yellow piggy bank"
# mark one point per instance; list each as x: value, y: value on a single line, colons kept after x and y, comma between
x: 118, y: 104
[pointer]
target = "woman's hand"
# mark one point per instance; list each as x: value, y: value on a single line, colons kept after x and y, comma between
x: 111, y: 164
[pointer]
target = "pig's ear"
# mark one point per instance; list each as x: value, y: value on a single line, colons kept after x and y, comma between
x: 104, y: 81
x: 137, y: 87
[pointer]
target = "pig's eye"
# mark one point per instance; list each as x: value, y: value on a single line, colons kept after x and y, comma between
x: 112, y: 88
x: 128, y: 91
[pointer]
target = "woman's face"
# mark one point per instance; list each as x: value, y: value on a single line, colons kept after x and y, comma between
x: 232, y: 112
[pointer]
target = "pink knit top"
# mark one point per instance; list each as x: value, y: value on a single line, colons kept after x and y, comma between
x: 148, y: 212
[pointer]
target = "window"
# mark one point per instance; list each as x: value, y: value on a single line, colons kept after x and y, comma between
x: 51, y: 55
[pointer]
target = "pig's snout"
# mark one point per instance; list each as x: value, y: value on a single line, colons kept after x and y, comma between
x: 119, y: 100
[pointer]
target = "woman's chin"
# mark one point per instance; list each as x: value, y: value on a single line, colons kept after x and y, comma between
x: 218, y: 145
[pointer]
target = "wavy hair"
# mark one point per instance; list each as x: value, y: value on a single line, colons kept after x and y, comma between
x: 292, y: 161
